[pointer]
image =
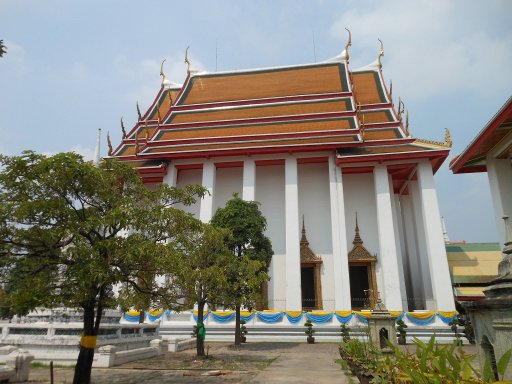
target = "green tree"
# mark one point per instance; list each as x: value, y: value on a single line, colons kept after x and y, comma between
x: 251, y: 248
x: 201, y: 271
x: 69, y: 231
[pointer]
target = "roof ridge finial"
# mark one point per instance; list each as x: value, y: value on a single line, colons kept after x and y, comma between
x: 164, y: 78
x: 448, y: 138
x: 381, y: 53
x: 391, y: 88
x: 123, y: 129
x: 109, y: 143
x: 187, y: 61
x: 349, y: 44
x: 138, y: 111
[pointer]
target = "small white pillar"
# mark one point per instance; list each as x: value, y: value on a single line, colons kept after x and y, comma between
x: 172, y: 175
x: 339, y: 238
x: 436, y: 250
x: 206, y: 209
x: 499, y: 172
x: 387, y: 257
x: 293, y: 283
x: 249, y: 180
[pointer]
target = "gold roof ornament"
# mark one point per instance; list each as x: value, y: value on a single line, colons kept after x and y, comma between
x: 136, y: 142
x: 306, y: 253
x: 123, y: 129
x: 362, y: 127
x: 391, y: 88
x: 164, y: 78
x: 187, y: 61
x: 109, y: 143
x: 138, y: 112
x: 349, y: 44
x: 401, y: 109
x: 407, y: 120
x: 146, y: 134
x: 381, y: 53
x: 359, y: 252
x: 448, y: 138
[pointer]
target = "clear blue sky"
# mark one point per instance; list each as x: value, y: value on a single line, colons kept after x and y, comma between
x: 74, y: 66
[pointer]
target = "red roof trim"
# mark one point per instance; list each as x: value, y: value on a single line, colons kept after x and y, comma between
x: 308, y: 160
x: 484, y: 135
x: 229, y: 164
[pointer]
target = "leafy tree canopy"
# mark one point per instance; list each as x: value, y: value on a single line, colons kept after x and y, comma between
x: 70, y: 231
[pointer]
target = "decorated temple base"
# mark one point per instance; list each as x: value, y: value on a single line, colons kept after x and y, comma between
x: 289, y: 325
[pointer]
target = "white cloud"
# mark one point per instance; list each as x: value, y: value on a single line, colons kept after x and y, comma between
x: 432, y: 47
x: 87, y: 153
x: 144, y: 76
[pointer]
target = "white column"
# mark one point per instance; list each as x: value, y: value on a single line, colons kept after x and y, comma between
x: 293, y: 284
x: 409, y: 250
x: 422, y: 259
x: 206, y: 210
x: 172, y: 175
x: 395, y: 206
x: 387, y: 257
x: 249, y: 180
x: 339, y: 238
x: 436, y: 251
x: 500, y: 180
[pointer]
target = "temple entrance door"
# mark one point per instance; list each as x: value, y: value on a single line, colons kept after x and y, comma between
x: 307, y: 276
x: 358, y: 285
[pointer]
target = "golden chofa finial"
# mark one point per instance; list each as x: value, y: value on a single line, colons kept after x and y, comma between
x: 381, y: 53
x: 390, y: 87
x: 349, y: 44
x: 164, y: 78
x: 138, y: 112
x: 448, y: 138
x: 123, y: 129
x: 187, y: 61
x: 109, y: 143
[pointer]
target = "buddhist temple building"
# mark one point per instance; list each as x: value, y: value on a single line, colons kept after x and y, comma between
x: 321, y: 141
x: 491, y: 152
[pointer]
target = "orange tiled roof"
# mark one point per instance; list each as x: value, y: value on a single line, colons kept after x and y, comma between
x: 308, y: 107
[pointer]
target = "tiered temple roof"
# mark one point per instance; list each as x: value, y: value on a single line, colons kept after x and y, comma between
x: 302, y: 108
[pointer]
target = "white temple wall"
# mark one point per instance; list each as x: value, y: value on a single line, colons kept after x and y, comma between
x: 314, y: 205
x: 228, y: 181
x: 359, y: 192
x: 186, y: 177
x: 270, y: 193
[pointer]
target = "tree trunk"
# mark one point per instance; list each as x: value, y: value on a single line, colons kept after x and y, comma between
x: 84, y: 362
x: 199, y: 340
x: 141, y: 316
x: 237, y: 325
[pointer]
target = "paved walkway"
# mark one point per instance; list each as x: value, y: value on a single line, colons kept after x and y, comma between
x: 290, y: 363
x: 303, y: 363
